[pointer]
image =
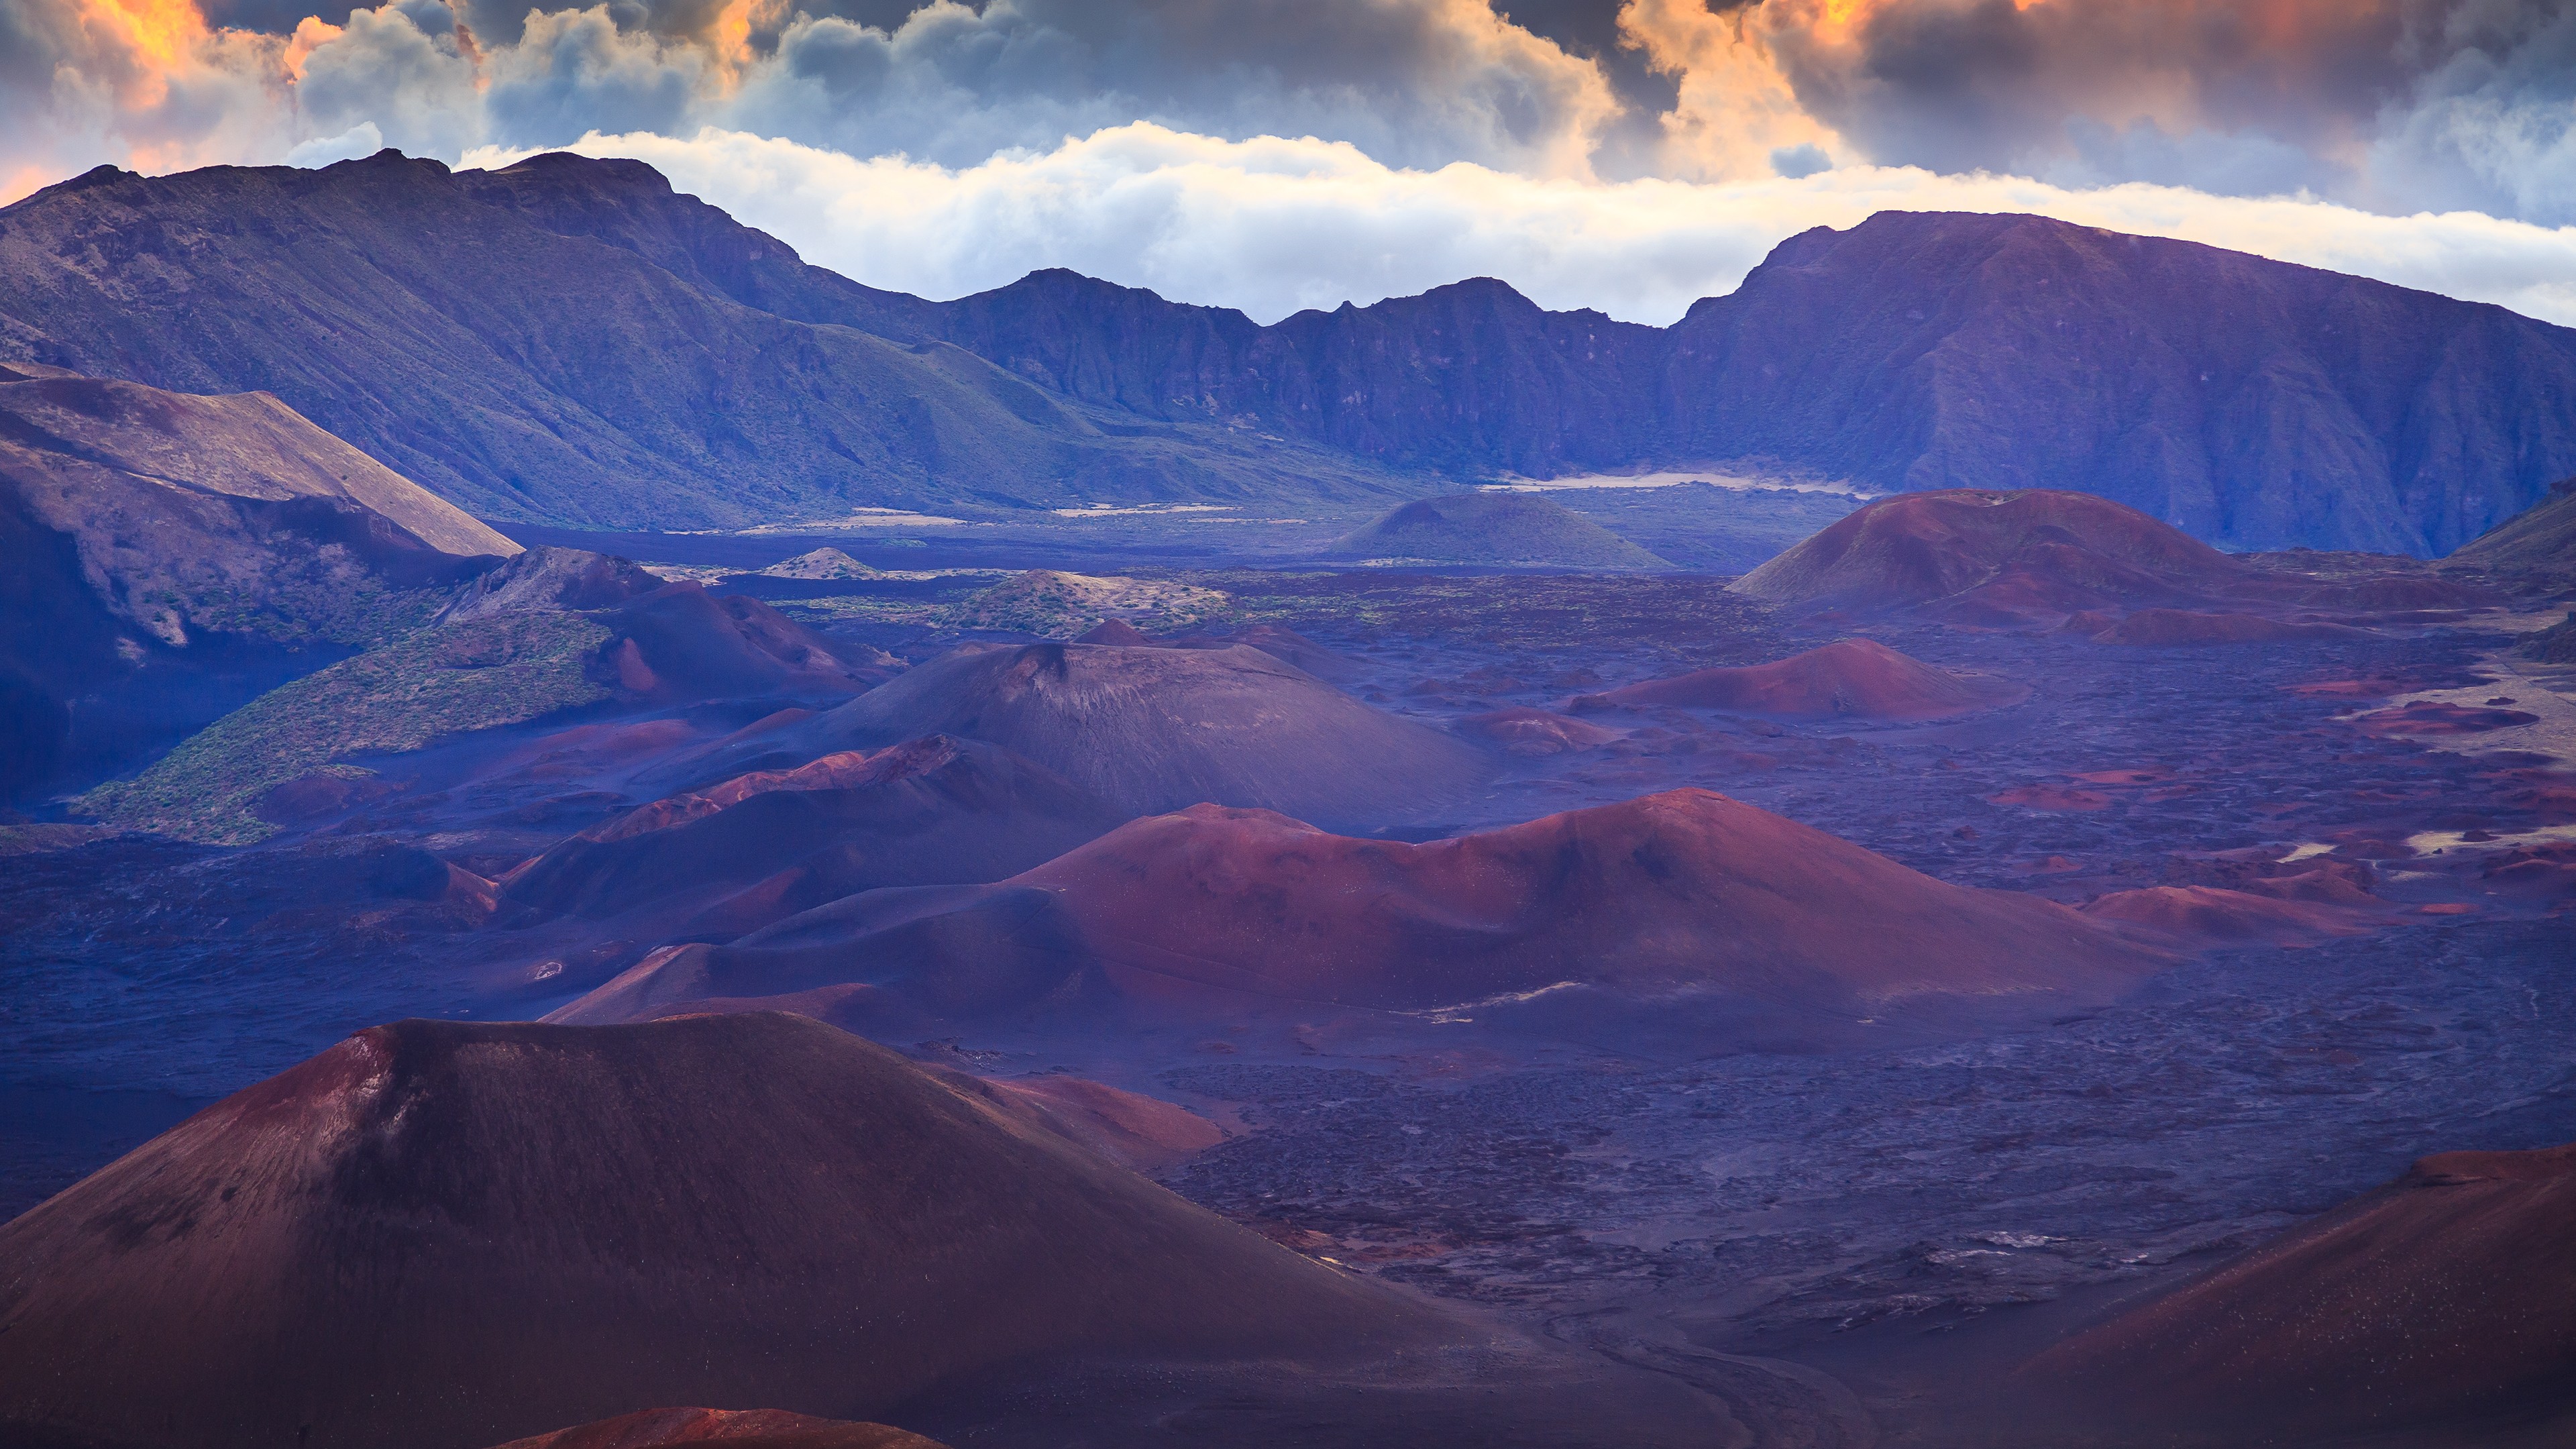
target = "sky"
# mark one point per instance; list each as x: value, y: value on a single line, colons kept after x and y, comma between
x: 1628, y: 155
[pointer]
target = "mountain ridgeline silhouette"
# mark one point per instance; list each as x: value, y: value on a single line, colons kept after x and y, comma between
x: 569, y: 341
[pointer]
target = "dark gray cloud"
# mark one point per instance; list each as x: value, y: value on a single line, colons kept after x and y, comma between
x: 2387, y: 103
x: 2391, y: 104
x: 1630, y: 143
x: 1423, y: 84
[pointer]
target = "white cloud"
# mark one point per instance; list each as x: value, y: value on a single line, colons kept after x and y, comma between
x: 1173, y: 143
x: 362, y: 139
x: 1273, y: 225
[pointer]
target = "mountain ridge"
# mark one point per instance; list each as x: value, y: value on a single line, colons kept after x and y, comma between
x: 445, y: 327
x: 669, y: 365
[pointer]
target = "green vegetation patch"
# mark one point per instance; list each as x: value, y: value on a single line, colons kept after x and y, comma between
x: 391, y: 699
x: 1052, y: 604
x: 306, y: 601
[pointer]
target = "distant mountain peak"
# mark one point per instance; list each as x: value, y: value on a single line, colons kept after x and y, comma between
x: 2253, y: 403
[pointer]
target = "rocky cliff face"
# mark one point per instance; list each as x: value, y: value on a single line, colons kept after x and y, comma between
x: 520, y: 343
x: 2251, y: 403
x: 169, y: 556
x: 570, y: 341
x: 1467, y: 379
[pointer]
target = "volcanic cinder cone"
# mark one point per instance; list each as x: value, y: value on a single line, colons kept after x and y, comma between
x: 1686, y: 894
x: 1157, y: 729
x: 2034, y: 550
x: 717, y: 862
x: 2447, y: 1298
x: 439, y: 1234
x: 1850, y: 679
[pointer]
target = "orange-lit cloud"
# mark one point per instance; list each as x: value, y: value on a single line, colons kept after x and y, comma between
x: 145, y: 82
x: 311, y: 34
x: 158, y: 36
x: 1733, y: 108
x: 731, y: 33
x: 2392, y: 105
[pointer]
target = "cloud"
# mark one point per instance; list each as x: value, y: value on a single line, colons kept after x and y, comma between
x: 145, y: 81
x: 2389, y: 105
x: 1275, y: 154
x: 1413, y: 82
x: 362, y: 139
x: 1273, y: 225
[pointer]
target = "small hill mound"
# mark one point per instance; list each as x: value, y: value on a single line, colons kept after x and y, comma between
x: 1156, y: 729
x: 1285, y: 645
x: 1673, y: 896
x: 546, y: 578
x: 2439, y: 1299
x: 680, y: 642
x: 734, y: 1428
x: 1536, y: 732
x: 715, y: 863
x: 2202, y: 916
x: 674, y: 645
x: 1848, y: 679
x: 822, y: 563
x: 1116, y: 631
x: 1992, y: 554
x: 2533, y: 551
x: 374, y: 1247
x: 1492, y: 528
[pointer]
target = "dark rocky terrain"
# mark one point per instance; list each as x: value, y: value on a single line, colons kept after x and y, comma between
x: 2248, y: 402
x: 1854, y: 679
x: 2304, y: 892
